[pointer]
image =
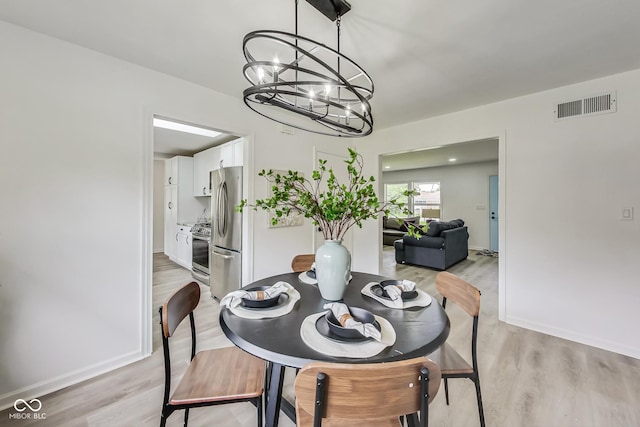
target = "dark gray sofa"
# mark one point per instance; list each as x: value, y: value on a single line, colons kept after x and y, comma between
x: 393, y: 230
x: 444, y: 244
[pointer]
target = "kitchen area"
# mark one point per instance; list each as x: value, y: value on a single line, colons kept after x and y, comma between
x: 196, y: 190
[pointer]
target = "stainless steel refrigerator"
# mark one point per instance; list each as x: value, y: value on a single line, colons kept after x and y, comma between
x: 225, y: 272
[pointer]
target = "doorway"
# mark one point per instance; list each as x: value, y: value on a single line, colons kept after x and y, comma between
x: 168, y: 138
x: 453, y: 180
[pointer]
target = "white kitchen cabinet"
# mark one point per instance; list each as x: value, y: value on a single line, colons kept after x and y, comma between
x: 238, y: 152
x: 171, y: 167
x: 202, y: 166
x: 217, y: 156
x: 183, y: 246
x: 170, y: 220
x: 226, y: 156
x: 180, y: 205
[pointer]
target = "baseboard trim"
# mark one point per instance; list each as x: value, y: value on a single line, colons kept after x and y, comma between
x: 607, y: 345
x: 54, y: 384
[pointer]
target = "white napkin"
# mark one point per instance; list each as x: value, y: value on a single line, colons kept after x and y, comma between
x: 233, y: 299
x: 395, y: 291
x: 366, y: 329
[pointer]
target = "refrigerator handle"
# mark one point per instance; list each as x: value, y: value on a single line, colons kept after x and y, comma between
x: 221, y: 255
x: 224, y: 196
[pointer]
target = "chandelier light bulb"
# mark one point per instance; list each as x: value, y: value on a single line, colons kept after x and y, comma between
x: 260, y: 73
x: 276, y: 68
x: 347, y: 114
x: 327, y: 90
x: 311, y: 95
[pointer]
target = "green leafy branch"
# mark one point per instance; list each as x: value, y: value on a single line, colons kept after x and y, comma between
x: 334, y: 207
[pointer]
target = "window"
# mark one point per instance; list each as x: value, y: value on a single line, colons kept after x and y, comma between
x: 394, y: 192
x: 425, y: 205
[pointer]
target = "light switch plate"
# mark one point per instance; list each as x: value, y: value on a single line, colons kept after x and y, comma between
x: 627, y: 214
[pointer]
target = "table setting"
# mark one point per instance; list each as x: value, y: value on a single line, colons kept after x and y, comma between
x: 398, y: 294
x: 262, y: 302
x: 344, y: 331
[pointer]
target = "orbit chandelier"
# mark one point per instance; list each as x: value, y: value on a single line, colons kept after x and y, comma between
x: 305, y: 84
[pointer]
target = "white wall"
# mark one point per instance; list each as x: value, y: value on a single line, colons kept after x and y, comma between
x: 567, y: 261
x: 76, y: 224
x: 463, y: 188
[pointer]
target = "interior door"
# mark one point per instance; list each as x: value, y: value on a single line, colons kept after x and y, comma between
x: 493, y: 213
x: 335, y: 161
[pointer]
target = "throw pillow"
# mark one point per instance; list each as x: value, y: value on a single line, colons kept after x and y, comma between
x: 415, y: 220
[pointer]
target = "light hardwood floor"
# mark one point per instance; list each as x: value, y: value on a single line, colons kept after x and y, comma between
x: 527, y: 378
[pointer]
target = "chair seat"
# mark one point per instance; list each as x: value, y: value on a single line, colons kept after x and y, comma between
x: 450, y: 362
x: 241, y: 377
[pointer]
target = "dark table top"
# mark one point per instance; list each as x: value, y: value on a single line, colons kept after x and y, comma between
x: 419, y: 330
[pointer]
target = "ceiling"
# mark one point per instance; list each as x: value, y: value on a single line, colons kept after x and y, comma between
x: 426, y: 57
x: 462, y: 153
x: 169, y: 143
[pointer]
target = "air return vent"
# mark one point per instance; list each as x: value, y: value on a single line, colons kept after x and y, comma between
x: 597, y: 104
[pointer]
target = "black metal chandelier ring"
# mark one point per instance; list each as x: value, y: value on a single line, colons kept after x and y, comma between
x: 315, y: 90
x: 262, y: 94
x: 364, y: 93
x: 273, y: 35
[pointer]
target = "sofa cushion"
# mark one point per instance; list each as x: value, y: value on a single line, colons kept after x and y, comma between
x: 437, y: 227
x: 391, y: 224
x: 430, y: 242
x: 399, y: 223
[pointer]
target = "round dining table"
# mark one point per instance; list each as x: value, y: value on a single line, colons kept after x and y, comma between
x: 419, y: 332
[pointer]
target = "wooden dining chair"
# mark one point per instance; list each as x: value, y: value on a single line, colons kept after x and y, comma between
x: 302, y: 262
x: 452, y: 365
x: 372, y: 395
x: 213, y: 377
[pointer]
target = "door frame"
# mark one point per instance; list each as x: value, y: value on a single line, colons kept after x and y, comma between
x: 146, y: 239
x: 501, y: 136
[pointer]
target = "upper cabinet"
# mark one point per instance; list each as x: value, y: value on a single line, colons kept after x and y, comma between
x: 238, y: 152
x: 171, y: 171
x: 202, y: 166
x: 225, y: 155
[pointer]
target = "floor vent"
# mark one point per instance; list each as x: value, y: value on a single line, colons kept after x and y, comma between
x: 598, y: 104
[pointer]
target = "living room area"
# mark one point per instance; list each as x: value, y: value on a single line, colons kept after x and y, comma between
x: 454, y: 208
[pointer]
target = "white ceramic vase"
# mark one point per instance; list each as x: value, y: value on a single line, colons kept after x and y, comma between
x: 333, y: 269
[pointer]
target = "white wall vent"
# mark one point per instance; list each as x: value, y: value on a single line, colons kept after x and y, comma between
x: 597, y: 104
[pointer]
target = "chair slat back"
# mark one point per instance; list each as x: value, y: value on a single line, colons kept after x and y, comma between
x: 178, y: 306
x: 303, y: 262
x: 366, y: 391
x: 461, y: 292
